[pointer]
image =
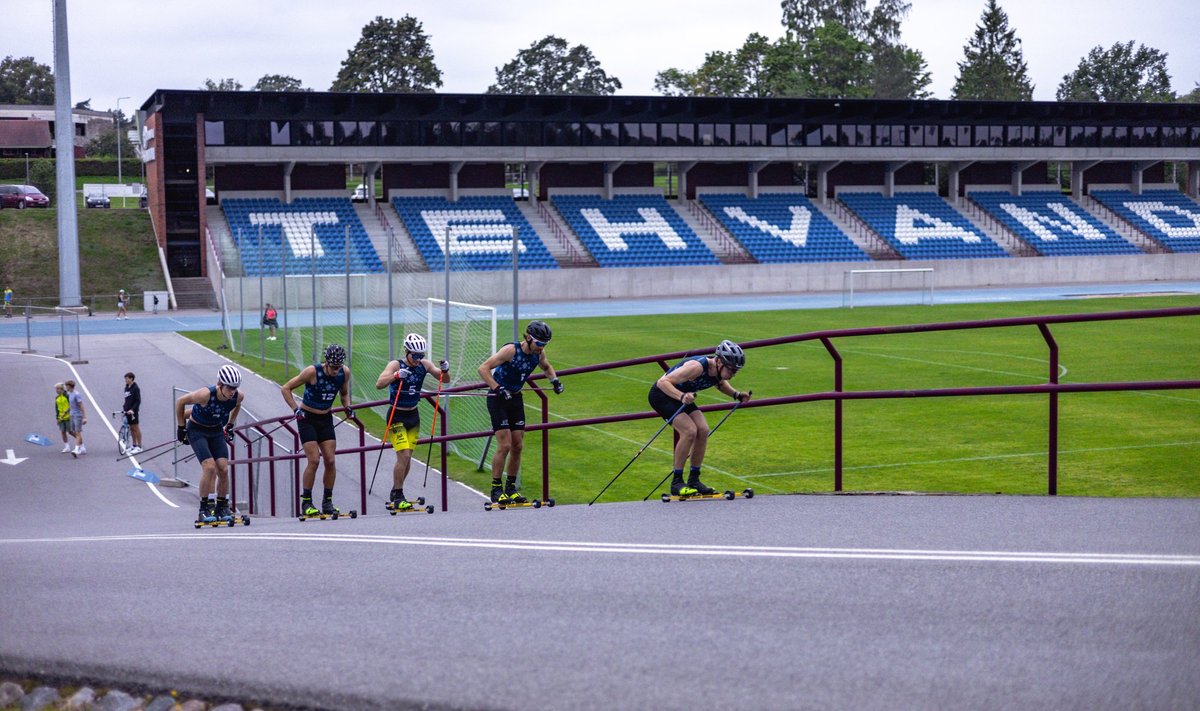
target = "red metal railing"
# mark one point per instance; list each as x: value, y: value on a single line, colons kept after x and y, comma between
x: 838, y: 395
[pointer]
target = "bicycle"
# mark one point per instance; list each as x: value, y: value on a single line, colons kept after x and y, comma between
x: 124, y: 435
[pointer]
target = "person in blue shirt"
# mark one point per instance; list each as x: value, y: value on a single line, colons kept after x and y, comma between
x: 505, y: 373
x: 403, y: 378
x: 674, y: 396
x: 314, y: 419
x: 207, y: 426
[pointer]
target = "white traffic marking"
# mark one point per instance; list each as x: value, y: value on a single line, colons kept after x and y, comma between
x: 1048, y: 557
x: 13, y: 459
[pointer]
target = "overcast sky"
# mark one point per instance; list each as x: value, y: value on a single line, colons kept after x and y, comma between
x: 132, y: 47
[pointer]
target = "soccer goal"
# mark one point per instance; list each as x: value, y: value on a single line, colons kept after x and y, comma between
x: 472, y: 337
x: 888, y: 286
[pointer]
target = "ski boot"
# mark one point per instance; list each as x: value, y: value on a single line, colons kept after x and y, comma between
x: 222, y: 512
x: 307, y: 509
x: 678, y: 488
x: 206, y: 513
x: 511, y: 495
x: 398, y: 502
x: 328, y: 509
x: 698, y: 486
x: 497, y: 492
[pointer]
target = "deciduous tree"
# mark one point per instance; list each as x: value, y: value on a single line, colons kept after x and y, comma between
x: 278, y: 82
x: 390, y: 56
x: 552, y: 66
x: 229, y: 84
x: 24, y: 81
x: 1120, y: 73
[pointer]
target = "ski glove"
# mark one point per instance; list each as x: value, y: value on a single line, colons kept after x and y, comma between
x: 558, y: 386
x: 741, y: 396
x: 502, y: 393
x: 181, y: 434
x: 229, y: 434
x: 299, y: 414
x: 402, y: 374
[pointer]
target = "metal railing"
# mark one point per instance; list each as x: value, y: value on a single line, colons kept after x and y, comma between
x: 1052, y: 388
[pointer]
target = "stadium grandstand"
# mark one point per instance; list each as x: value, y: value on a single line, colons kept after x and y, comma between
x: 768, y: 193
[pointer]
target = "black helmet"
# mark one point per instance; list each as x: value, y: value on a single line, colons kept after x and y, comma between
x: 731, y: 354
x: 538, y: 331
x: 335, y: 355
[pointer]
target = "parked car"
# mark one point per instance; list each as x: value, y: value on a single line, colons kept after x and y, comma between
x: 22, y: 196
x: 97, y: 200
x: 360, y: 194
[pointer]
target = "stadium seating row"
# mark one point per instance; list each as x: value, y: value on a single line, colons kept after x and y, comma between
x: 921, y: 226
x: 272, y: 236
x: 780, y: 227
x: 480, y: 230
x: 1052, y: 224
x: 1168, y: 216
x: 632, y: 231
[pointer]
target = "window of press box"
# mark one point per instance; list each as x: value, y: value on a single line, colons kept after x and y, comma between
x: 214, y: 133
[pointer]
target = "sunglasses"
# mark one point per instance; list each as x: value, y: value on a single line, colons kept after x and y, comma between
x: 416, y: 356
x: 540, y: 344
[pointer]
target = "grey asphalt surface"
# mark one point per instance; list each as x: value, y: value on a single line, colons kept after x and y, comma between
x: 871, y: 602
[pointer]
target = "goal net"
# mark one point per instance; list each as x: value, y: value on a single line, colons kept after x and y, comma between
x: 879, y: 287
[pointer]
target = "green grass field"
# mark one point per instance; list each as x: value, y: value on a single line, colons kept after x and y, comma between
x: 1110, y: 444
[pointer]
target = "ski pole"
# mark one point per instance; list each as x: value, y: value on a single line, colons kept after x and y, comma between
x: 388, y: 429
x: 639, y: 452
x: 147, y: 449
x: 710, y: 434
x: 432, y: 431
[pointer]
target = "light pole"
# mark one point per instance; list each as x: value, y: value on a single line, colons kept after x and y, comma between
x: 119, y: 183
x: 27, y: 167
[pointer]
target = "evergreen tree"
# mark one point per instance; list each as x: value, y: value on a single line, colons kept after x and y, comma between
x: 993, y: 68
x: 392, y: 56
x: 1120, y: 73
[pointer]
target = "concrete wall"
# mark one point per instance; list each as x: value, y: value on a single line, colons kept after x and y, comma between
x: 632, y: 283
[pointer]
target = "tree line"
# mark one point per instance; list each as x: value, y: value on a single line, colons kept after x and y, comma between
x: 829, y: 49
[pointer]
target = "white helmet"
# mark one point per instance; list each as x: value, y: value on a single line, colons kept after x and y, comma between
x: 229, y: 376
x: 415, y: 343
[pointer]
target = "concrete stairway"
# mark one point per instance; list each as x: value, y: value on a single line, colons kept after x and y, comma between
x: 564, y: 245
x: 194, y: 293
x: 1001, y: 235
x: 382, y: 223
x: 1119, y: 225
x: 858, y: 231
x: 718, y: 240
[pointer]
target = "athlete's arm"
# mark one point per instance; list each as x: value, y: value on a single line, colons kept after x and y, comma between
x: 669, y: 382
x: 196, y: 397
x: 498, y: 358
x: 546, y: 367
x: 304, y: 377
x: 388, y: 375
x: 345, y: 394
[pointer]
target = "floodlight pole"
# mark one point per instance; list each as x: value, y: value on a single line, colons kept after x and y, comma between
x: 118, y: 117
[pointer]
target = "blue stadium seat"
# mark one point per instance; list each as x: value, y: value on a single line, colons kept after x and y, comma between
x: 782, y: 227
x: 275, y: 221
x: 921, y: 225
x: 1168, y: 216
x: 482, y: 228
x: 632, y: 231
x: 1052, y: 224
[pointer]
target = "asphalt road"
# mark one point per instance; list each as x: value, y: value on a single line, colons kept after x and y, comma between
x: 866, y: 602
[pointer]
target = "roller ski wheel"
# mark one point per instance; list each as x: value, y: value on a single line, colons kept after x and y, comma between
x: 748, y: 493
x: 536, y: 504
x: 487, y: 506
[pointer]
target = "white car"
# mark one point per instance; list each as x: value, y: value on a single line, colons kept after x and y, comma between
x: 359, y: 194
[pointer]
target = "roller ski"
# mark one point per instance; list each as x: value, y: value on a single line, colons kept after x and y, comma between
x: 327, y: 511
x: 401, y: 505
x: 728, y: 495
x: 218, y: 516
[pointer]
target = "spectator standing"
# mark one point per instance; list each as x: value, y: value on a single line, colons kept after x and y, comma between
x: 78, y: 417
x: 122, y: 300
x: 133, y: 403
x: 8, y: 302
x: 62, y: 414
x: 270, y: 320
